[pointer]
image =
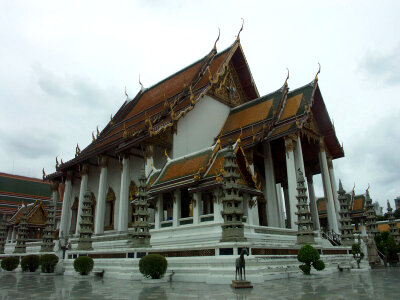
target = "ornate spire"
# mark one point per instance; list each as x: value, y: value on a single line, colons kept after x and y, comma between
x: 20, y: 247
x: 48, y: 235
x: 3, y: 232
x: 86, y: 223
x: 319, y: 71
x: 346, y: 228
x: 372, y: 227
x: 215, y: 44
x: 140, y: 237
x: 232, y: 228
x: 305, y: 234
x: 394, y: 231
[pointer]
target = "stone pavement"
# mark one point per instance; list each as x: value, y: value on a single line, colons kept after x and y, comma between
x: 374, y: 284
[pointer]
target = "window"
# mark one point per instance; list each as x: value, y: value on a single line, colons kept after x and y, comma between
x: 109, y: 213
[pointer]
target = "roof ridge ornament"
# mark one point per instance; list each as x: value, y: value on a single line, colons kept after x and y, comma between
x: 241, y: 28
x: 287, y: 77
x: 141, y: 85
x: 319, y: 71
x: 215, y: 44
x: 44, y: 174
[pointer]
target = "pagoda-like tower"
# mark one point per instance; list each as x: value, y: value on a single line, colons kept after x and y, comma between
x: 50, y: 228
x: 346, y: 229
x: 232, y: 228
x: 372, y: 227
x: 20, y: 247
x: 305, y: 234
x: 394, y: 231
x: 3, y: 233
x: 86, y: 223
x: 140, y: 237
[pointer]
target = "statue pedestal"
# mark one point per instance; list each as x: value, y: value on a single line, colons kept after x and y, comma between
x: 241, y: 284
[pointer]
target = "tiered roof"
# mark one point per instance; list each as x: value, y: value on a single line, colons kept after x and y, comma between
x: 357, y: 206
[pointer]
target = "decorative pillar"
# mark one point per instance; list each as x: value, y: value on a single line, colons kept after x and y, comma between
x: 305, y: 233
x: 196, y: 207
x: 372, y: 227
x: 330, y: 207
x: 280, y: 205
x: 217, y: 207
x: 287, y: 207
x: 313, y: 203
x: 269, y: 187
x: 334, y: 188
x: 176, y: 209
x: 20, y: 247
x: 50, y: 227
x: 86, y: 223
x: 159, y: 211
x: 82, y: 191
x: 3, y: 233
x: 394, y: 231
x: 101, y: 198
x: 252, y: 209
x: 140, y: 237
x: 346, y: 228
x: 232, y: 228
x: 291, y: 176
x: 66, y: 206
x: 124, y: 196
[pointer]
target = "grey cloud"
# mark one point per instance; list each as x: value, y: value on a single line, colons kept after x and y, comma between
x: 381, y: 67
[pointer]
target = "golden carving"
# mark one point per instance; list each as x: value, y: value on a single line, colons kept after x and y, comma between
x: 85, y: 169
x: 104, y: 161
x: 77, y: 150
x: 69, y: 175
x: 289, y: 144
x: 54, y: 186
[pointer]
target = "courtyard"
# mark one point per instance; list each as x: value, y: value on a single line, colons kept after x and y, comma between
x: 374, y: 284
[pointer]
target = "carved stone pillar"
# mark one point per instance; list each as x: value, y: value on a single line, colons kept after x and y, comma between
x: 82, y: 191
x: 270, y: 191
x: 66, y: 206
x: 280, y: 205
x: 196, y: 207
x: 176, y: 209
x: 101, y: 197
x: 334, y: 188
x: 313, y: 203
x: 159, y: 211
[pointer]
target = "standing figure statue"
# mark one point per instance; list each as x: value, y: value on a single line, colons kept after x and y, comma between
x: 241, y: 265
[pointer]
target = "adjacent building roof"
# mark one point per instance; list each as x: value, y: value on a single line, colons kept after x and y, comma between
x: 16, y: 190
x: 357, y: 206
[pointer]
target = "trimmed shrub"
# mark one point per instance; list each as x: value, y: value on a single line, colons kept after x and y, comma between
x: 310, y: 257
x: 48, y: 262
x: 83, y: 265
x: 319, y: 265
x: 153, y: 265
x: 10, y: 263
x: 305, y: 268
x: 30, y: 263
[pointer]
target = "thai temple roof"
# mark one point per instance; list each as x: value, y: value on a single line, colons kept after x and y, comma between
x: 16, y: 190
x: 357, y: 205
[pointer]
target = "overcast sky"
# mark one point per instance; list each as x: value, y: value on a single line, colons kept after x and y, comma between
x: 64, y: 66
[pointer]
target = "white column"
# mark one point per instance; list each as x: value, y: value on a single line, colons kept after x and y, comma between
x: 9, y: 235
x: 196, y: 207
x: 332, y: 221
x: 279, y: 199
x: 124, y: 196
x: 66, y: 206
x: 149, y: 160
x: 287, y: 206
x: 13, y: 235
x: 217, y: 207
x: 158, y: 218
x: 176, y: 209
x: 101, y: 198
x: 334, y: 189
x: 292, y: 182
x: 270, y: 191
x: 313, y: 204
x: 82, y: 191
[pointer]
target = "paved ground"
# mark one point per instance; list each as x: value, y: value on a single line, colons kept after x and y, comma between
x: 375, y: 284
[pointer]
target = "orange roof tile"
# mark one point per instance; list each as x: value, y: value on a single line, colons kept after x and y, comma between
x: 291, y: 107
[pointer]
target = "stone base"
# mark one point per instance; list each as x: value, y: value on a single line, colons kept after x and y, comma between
x: 306, y: 239
x: 241, y: 284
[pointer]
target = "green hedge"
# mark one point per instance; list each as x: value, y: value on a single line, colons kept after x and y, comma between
x: 153, y: 265
x: 10, y: 263
x: 48, y: 262
x: 30, y: 263
x: 310, y: 257
x: 83, y: 265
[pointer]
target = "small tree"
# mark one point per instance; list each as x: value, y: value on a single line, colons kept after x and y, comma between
x: 83, y: 265
x: 387, y: 245
x: 153, y: 265
x: 48, y: 262
x: 10, y: 263
x: 358, y: 254
x: 30, y: 263
x: 310, y: 257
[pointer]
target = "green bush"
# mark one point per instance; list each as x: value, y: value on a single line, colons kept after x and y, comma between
x: 153, y: 265
x: 9, y: 263
x: 48, y: 262
x: 387, y: 245
x: 310, y: 257
x: 305, y: 268
x: 358, y: 254
x: 30, y: 263
x: 83, y: 265
x: 319, y: 265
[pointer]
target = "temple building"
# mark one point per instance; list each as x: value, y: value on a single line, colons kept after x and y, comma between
x: 218, y: 164
x: 16, y: 192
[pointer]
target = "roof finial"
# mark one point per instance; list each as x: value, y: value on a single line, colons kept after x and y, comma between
x: 57, y: 164
x: 354, y: 187
x: 111, y: 120
x: 44, y: 174
x: 141, y: 85
x: 166, y: 154
x: 215, y: 44
x: 98, y: 132
x: 241, y: 28
x: 319, y: 71
x: 93, y: 138
x: 287, y: 77
x: 367, y: 190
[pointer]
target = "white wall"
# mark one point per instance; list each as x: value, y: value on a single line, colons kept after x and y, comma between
x: 199, y: 127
